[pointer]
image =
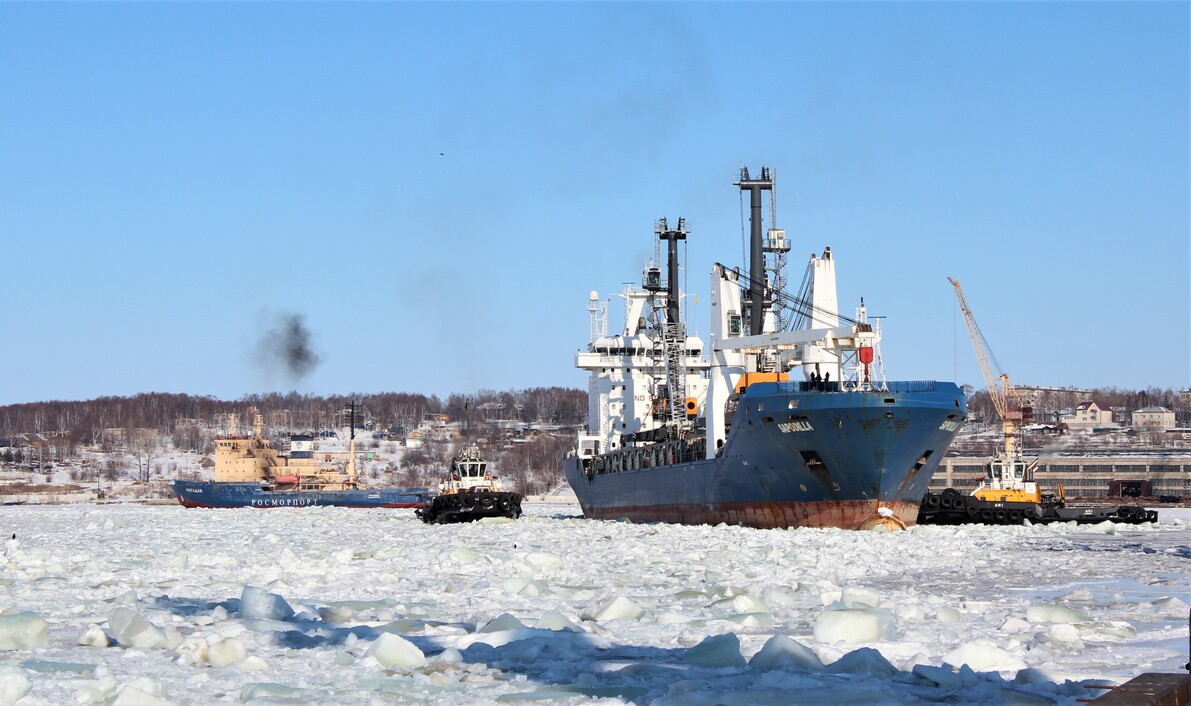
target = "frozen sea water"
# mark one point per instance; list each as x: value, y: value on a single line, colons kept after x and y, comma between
x: 136, y: 604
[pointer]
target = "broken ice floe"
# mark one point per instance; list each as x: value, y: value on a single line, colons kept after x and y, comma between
x: 259, y: 603
x: 23, y: 631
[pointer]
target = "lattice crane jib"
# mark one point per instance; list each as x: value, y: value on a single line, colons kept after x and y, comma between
x: 1005, y: 398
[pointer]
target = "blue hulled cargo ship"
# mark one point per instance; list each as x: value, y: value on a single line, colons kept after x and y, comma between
x: 249, y: 472
x: 789, y: 422
x: 215, y: 494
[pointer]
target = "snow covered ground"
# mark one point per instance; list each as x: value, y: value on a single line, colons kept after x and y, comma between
x: 146, y: 605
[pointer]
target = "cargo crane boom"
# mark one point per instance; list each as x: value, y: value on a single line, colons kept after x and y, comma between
x: 1008, y: 472
x: 1006, y: 400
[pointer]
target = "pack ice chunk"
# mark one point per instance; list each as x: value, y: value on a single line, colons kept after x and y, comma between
x: 752, y: 621
x: 854, y: 625
x: 866, y: 661
x: 131, y: 629
x: 395, y: 651
x: 555, y: 620
x: 1169, y: 605
x: 941, y: 676
x: 543, y: 560
x: 1037, y: 677
x: 616, y: 608
x: 1066, y: 633
x: 14, y: 684
x: 783, y: 652
x: 336, y: 613
x: 260, y: 604
x: 717, y: 651
x: 94, y: 636
x: 1108, y: 630
x: 773, y: 595
x: 524, y: 587
x: 101, y: 690
x: 948, y: 615
x: 143, y: 692
x: 1052, y: 613
x: 502, y: 622
x: 983, y: 656
x: 23, y: 631
x: 909, y: 613
x: 671, y: 618
x: 748, y: 604
x: 859, y: 598
x: 226, y: 652
x: 192, y: 651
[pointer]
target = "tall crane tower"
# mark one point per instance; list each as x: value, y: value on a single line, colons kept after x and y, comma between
x: 1010, y: 477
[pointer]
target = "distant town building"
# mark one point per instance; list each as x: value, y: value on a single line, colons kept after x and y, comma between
x: 1165, y: 473
x: 1153, y: 419
x: 1091, y: 415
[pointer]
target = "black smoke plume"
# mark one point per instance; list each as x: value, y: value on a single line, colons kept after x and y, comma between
x: 285, y: 345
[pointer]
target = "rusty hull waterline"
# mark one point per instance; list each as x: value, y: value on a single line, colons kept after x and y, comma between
x: 846, y: 514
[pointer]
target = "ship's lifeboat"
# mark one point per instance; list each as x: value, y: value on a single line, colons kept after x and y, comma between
x: 285, y: 479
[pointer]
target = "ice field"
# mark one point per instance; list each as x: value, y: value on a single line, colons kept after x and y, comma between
x: 130, y: 604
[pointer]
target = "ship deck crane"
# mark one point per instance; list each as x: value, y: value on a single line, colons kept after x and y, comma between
x: 1010, y: 477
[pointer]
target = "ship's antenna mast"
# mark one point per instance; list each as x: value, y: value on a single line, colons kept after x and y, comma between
x: 598, y: 310
x: 776, y: 248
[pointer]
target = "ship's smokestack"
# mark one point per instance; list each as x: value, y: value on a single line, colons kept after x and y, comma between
x: 756, y: 295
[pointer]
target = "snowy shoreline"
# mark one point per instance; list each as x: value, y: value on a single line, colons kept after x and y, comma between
x: 556, y: 609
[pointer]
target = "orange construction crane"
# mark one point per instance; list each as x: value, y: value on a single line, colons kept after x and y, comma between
x: 1009, y: 476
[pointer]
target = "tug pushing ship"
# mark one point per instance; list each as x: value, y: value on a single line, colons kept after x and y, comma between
x: 788, y: 422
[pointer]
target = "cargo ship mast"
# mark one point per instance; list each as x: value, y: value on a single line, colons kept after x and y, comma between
x: 756, y: 302
x: 671, y: 326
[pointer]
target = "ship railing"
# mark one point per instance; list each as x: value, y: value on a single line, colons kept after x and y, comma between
x: 901, y: 386
x: 666, y: 453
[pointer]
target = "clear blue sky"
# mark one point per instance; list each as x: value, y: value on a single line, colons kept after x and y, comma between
x: 174, y: 177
